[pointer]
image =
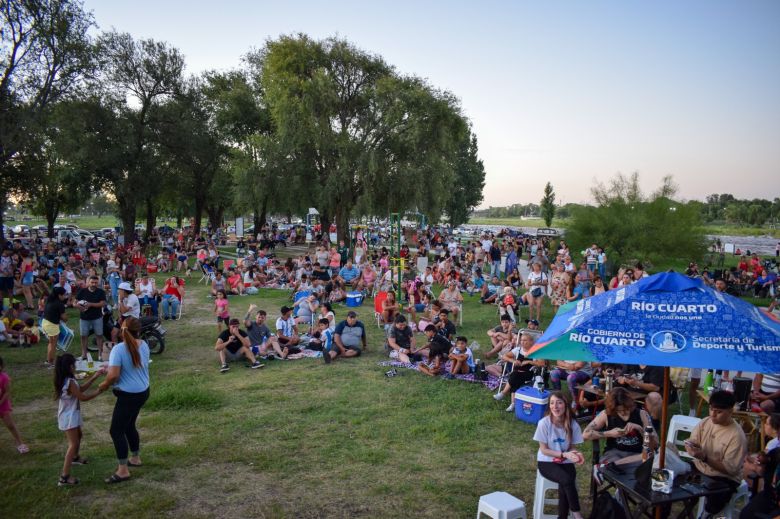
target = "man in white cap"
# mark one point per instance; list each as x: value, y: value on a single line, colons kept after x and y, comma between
x: 129, y: 306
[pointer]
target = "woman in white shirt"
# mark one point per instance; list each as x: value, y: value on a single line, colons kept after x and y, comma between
x: 537, y: 287
x: 556, y: 433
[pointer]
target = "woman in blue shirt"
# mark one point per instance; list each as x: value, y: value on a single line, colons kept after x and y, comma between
x: 128, y: 371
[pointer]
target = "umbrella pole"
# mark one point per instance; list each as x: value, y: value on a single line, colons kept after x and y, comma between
x: 662, y: 437
x: 664, y: 406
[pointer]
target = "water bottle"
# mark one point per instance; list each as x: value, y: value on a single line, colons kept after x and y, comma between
x: 609, y: 381
x: 539, y: 383
x: 647, y: 450
x: 708, y: 379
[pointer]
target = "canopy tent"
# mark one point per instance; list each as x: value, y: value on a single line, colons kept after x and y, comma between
x: 665, y: 320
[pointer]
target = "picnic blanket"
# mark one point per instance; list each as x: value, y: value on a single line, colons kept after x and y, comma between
x: 491, y: 383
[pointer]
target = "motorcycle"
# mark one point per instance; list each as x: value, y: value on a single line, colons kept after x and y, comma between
x: 151, y: 331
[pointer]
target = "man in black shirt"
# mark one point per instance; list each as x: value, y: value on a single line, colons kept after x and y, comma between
x: 402, y: 342
x: 232, y: 344
x: 651, y: 383
x: 445, y: 327
x: 438, y: 352
x: 90, y: 302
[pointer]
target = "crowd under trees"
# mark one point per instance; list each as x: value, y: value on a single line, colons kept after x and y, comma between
x: 301, y: 123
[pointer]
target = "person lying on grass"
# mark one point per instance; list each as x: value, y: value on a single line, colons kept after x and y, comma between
x: 233, y: 344
x: 462, y: 358
x: 438, y: 352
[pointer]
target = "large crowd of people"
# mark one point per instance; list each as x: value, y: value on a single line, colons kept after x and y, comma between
x: 517, y: 274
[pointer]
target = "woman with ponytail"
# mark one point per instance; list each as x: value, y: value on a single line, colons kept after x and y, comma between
x: 128, y: 371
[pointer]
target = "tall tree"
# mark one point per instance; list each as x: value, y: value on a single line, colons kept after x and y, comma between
x: 469, y: 183
x: 193, y: 148
x: 363, y: 135
x: 45, y: 53
x: 547, y: 205
x: 137, y: 77
x: 632, y: 226
x: 51, y: 162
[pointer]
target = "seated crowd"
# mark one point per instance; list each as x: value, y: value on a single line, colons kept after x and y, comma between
x: 420, y: 329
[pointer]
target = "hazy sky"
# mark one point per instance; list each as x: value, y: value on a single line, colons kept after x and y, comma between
x: 569, y: 92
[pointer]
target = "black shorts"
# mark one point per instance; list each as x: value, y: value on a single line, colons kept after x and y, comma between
x: 442, y: 353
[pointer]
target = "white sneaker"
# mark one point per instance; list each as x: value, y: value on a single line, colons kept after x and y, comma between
x: 498, y: 396
x: 510, y: 408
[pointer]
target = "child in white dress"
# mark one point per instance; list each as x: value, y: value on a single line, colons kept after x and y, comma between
x: 70, y: 395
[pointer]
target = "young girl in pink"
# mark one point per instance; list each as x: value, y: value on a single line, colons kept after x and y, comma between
x: 5, y: 409
x: 221, y: 310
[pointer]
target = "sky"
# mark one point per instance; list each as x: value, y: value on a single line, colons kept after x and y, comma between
x: 568, y: 92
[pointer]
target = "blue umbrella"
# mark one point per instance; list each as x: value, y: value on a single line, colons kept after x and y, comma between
x: 665, y: 320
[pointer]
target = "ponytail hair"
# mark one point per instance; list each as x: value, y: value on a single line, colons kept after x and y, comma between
x: 63, y: 369
x: 131, y: 328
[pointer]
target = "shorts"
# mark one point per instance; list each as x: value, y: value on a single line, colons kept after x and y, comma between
x: 353, y: 348
x: 419, y: 307
x: 27, y: 279
x: 414, y: 357
x: 50, y: 329
x: 182, y: 258
x: 86, y: 325
x: 237, y: 355
x: 695, y: 373
x: 6, y: 284
x: 225, y: 320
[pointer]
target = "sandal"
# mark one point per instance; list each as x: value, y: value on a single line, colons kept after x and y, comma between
x: 22, y: 448
x: 78, y: 460
x: 67, y: 481
x: 131, y: 464
x: 115, y: 479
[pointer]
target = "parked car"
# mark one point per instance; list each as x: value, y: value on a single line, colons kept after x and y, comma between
x: 21, y: 229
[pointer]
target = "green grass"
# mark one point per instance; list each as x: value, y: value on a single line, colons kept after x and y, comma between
x: 723, y: 228
x: 517, y: 222
x: 295, y: 439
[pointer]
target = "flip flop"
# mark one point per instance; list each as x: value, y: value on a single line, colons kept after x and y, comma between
x: 22, y: 448
x: 115, y: 479
x: 78, y: 460
x: 130, y: 464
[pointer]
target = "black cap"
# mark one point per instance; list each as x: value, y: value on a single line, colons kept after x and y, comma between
x: 532, y: 321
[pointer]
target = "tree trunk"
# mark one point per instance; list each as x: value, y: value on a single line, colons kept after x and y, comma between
x: 151, y: 218
x: 325, y: 224
x: 263, y: 217
x: 2, y: 223
x: 51, y: 217
x: 127, y: 216
x: 342, y: 223
x: 179, y: 218
x: 198, y: 216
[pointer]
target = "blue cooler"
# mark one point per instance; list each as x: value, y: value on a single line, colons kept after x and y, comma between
x: 354, y: 298
x: 531, y: 404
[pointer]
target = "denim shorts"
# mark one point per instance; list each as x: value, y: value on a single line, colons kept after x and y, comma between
x: 95, y: 325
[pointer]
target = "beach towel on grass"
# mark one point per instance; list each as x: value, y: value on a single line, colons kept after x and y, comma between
x: 491, y: 383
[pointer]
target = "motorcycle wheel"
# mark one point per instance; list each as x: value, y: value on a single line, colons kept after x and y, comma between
x: 155, y: 341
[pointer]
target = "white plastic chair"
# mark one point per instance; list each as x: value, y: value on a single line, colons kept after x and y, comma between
x: 501, y: 505
x: 729, y: 511
x: 543, y: 486
x: 681, y: 423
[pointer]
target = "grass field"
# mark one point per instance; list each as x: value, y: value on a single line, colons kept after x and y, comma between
x: 294, y: 439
